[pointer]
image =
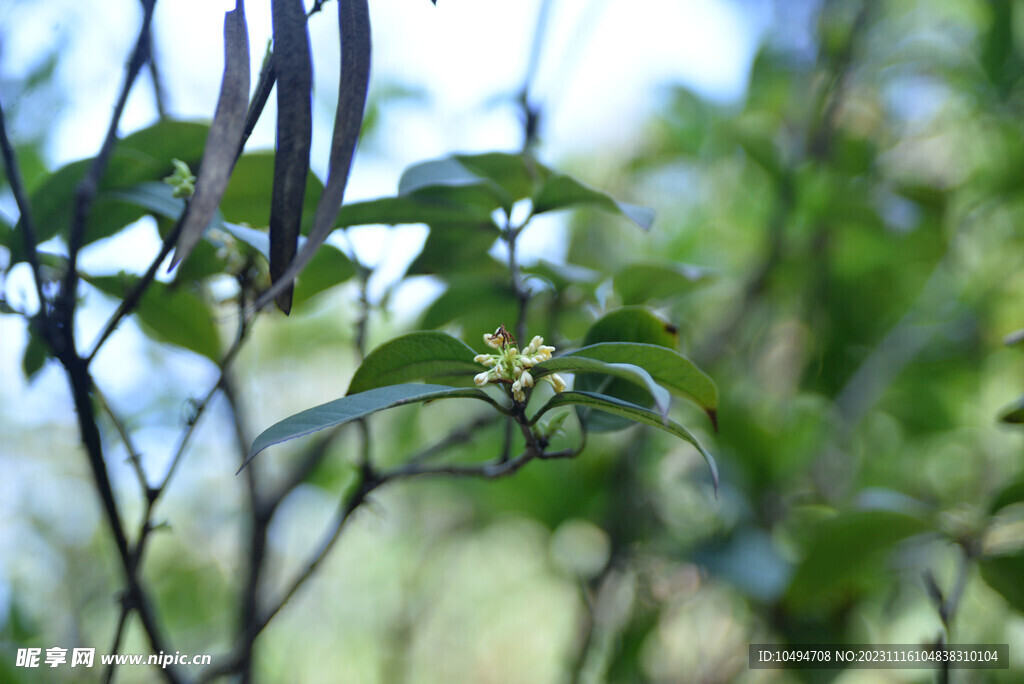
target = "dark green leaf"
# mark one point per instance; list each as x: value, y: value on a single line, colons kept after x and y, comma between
x: 36, y: 353
x: 564, y: 192
x: 632, y: 324
x: 844, y: 547
x: 639, y: 283
x: 479, y: 302
x: 1004, y: 573
x: 671, y: 370
x: 628, y: 324
x: 631, y: 412
x: 416, y: 356
x: 247, y: 198
x: 294, y: 68
x: 448, y: 180
x: 329, y: 267
x: 153, y: 196
x: 391, y: 211
x: 1007, y: 496
x: 142, y: 156
x: 225, y: 137
x: 519, y: 175
x: 1016, y: 337
x: 456, y: 249
x: 562, y: 276
x: 1014, y: 413
x: 257, y: 239
x: 628, y: 371
x: 173, y: 315
x: 353, y: 407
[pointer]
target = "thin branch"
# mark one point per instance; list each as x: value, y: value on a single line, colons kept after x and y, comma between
x: 28, y: 227
x: 244, y: 327
x: 122, y: 430
x: 234, y: 661
x: 159, y: 96
x: 134, y: 296
x: 87, y: 189
x: 522, y: 293
x: 362, y: 321
x: 531, y: 113
x: 459, y: 435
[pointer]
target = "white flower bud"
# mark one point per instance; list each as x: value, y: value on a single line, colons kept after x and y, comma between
x: 535, y: 343
x: 481, y: 378
x: 556, y: 381
x: 526, y: 379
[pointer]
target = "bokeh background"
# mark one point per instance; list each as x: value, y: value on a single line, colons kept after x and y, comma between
x: 839, y: 242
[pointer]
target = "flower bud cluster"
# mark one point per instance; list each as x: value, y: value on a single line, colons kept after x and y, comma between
x: 510, y: 365
x: 182, y: 180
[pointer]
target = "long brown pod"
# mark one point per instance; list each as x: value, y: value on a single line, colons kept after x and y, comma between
x: 225, y: 134
x: 294, y: 68
x: 354, y: 20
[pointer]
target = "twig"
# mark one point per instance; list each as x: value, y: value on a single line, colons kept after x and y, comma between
x: 154, y: 74
x: 531, y: 114
x: 459, y: 435
x: 24, y: 208
x: 134, y: 296
x: 85, y: 192
x: 126, y: 438
x: 200, y: 407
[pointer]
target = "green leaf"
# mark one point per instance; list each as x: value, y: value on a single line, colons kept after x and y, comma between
x: 416, y: 356
x: 1014, y: 413
x: 1004, y: 573
x: 173, y: 315
x: 631, y: 412
x: 1007, y: 496
x: 632, y: 324
x: 563, y: 276
x: 519, y: 175
x: 479, y: 302
x: 561, y: 191
x: 639, y: 283
x: 671, y: 370
x: 457, y: 248
x: 354, y: 407
x: 1016, y: 337
x: 448, y: 180
x: 153, y: 196
x: 628, y: 371
x: 328, y: 267
x: 392, y: 211
x: 846, y: 546
x: 36, y: 352
x: 247, y: 197
x: 628, y: 324
x: 142, y: 156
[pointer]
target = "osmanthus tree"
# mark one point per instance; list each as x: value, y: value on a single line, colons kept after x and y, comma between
x: 260, y: 220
